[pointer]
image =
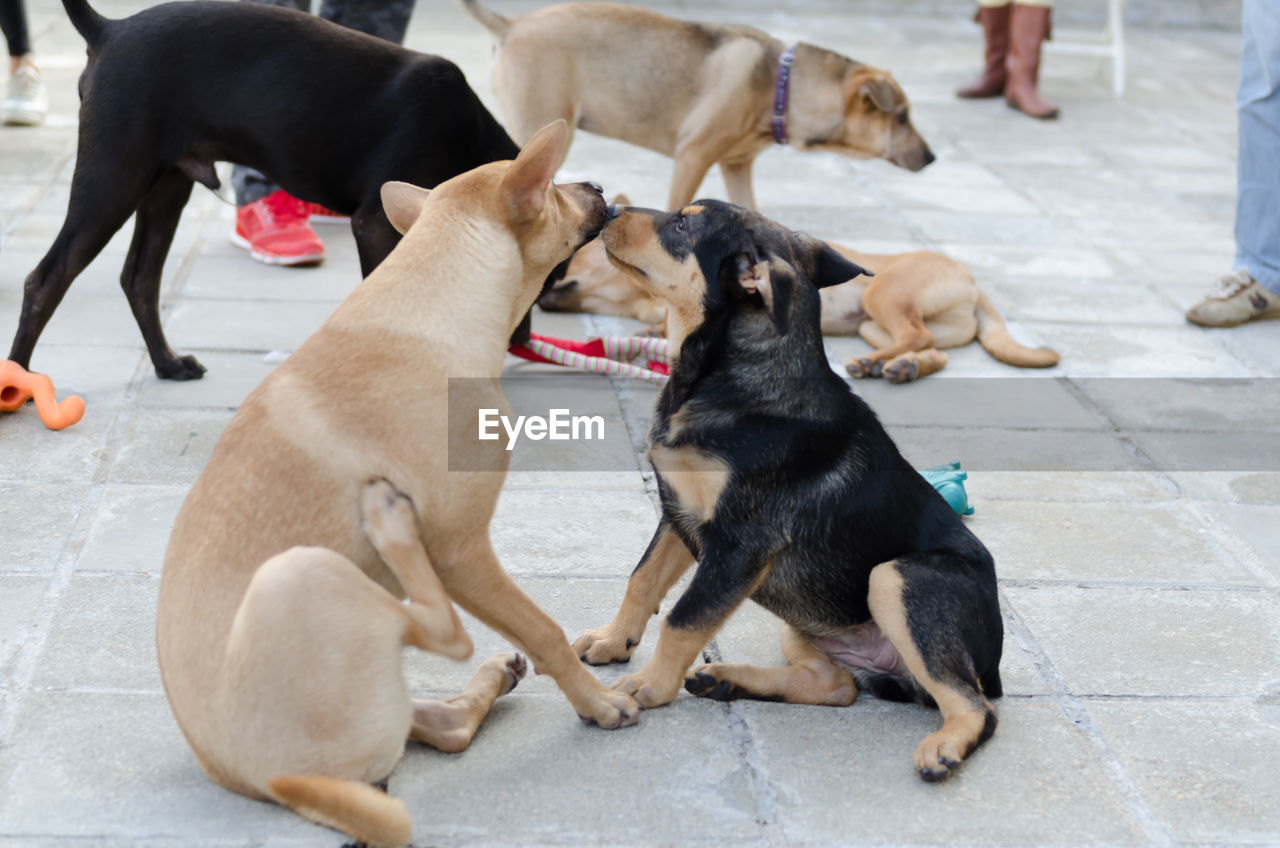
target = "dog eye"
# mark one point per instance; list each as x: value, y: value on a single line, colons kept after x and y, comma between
x: 682, y: 225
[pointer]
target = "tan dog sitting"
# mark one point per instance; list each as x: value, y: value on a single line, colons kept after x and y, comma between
x: 700, y: 93
x: 329, y: 498
x: 916, y: 305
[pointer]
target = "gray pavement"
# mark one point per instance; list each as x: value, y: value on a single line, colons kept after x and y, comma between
x: 1135, y: 522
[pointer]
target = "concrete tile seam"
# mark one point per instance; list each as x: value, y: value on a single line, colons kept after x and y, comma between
x: 1073, y: 709
x: 762, y: 791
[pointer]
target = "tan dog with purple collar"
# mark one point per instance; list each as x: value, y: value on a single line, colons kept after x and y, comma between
x: 703, y: 94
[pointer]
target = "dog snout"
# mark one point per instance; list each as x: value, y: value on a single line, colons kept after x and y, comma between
x: 929, y: 158
x: 612, y: 212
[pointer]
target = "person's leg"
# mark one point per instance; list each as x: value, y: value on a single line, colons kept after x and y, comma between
x: 270, y: 223
x: 1258, y: 166
x: 251, y: 185
x: 993, y: 15
x: 26, y: 102
x: 1029, y: 27
x: 1253, y: 290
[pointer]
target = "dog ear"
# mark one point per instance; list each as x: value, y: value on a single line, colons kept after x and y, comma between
x: 773, y: 281
x: 403, y: 203
x: 527, y: 180
x: 879, y: 90
x: 620, y: 199
x: 830, y: 268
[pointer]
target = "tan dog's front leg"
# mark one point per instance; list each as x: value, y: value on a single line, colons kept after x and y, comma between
x: 661, y: 566
x: 476, y: 581
x: 737, y: 180
x: 692, y: 161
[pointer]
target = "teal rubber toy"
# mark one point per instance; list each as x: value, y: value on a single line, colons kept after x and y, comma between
x: 949, y: 481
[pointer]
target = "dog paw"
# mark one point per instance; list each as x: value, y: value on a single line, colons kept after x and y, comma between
x: 901, y: 370
x: 611, y: 710
x: 703, y: 683
x: 180, y: 368
x: 864, y: 367
x: 387, y: 516
x: 510, y: 665
x: 648, y: 693
x: 937, y: 756
x: 603, y: 646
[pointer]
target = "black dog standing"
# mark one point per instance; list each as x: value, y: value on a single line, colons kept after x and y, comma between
x: 329, y: 113
x: 785, y: 488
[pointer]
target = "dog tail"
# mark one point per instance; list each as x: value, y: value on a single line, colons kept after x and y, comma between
x: 994, y: 336
x: 86, y: 21
x: 489, y: 19
x: 357, y: 809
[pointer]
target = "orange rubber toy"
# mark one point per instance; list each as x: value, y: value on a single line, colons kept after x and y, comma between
x: 17, y: 384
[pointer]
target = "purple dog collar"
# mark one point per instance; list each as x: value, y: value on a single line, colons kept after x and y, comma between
x: 780, y: 94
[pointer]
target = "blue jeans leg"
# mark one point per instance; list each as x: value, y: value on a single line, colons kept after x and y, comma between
x: 1258, y: 163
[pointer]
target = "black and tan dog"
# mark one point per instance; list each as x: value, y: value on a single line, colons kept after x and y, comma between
x: 329, y: 113
x: 703, y: 94
x: 784, y: 488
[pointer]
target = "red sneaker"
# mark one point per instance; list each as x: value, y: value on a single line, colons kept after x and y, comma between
x: 275, y: 230
x: 324, y: 215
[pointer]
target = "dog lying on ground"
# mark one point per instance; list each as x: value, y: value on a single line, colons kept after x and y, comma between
x: 700, y: 93
x: 783, y: 487
x: 279, y: 627
x: 329, y: 113
x: 916, y: 305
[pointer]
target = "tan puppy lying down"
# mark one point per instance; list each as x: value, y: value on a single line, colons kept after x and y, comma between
x: 917, y: 304
x: 329, y: 501
x: 703, y: 94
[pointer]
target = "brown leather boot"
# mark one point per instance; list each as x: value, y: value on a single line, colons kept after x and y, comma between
x: 995, y: 31
x: 1028, y: 27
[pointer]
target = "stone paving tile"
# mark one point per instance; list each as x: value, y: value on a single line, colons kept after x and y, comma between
x: 1249, y: 487
x: 1143, y: 642
x: 845, y: 774
x: 1084, y: 486
x: 31, y: 455
x: 1196, y: 764
x: 168, y: 446
x: 1258, y: 525
x: 226, y: 383
x: 542, y: 776
x: 101, y: 766
x: 232, y: 325
x: 131, y: 529
x: 1001, y: 449
x: 566, y: 531
x: 20, y: 597
x: 1097, y: 542
x: 103, y: 636
x: 35, y: 521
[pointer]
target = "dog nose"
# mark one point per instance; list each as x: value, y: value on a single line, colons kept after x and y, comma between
x: 929, y: 158
x: 612, y: 212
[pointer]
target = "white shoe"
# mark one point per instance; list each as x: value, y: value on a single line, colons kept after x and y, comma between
x: 27, y: 102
